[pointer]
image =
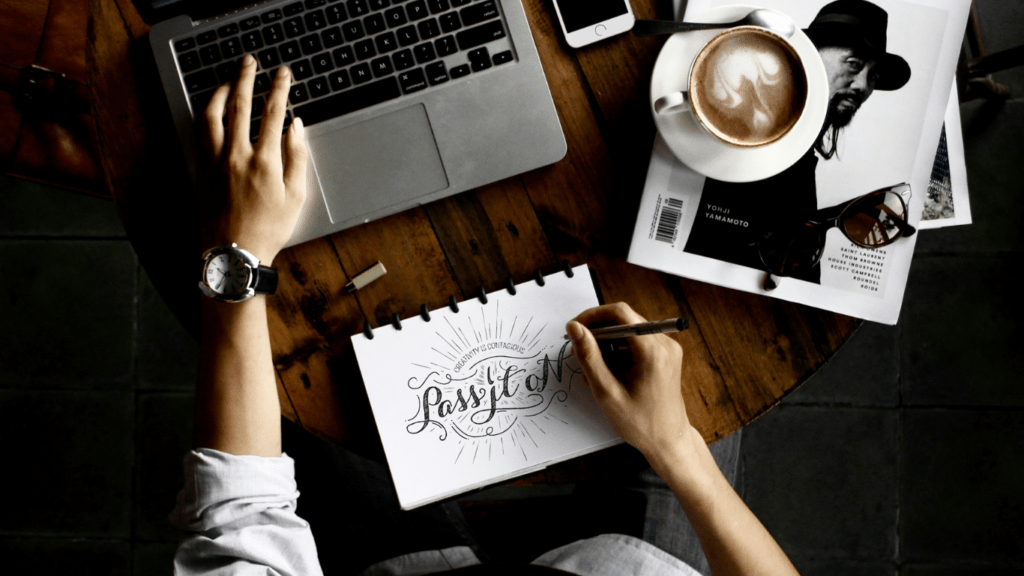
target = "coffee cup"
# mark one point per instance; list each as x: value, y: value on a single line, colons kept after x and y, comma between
x: 747, y: 87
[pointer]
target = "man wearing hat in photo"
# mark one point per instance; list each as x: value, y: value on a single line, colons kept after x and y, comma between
x: 851, y: 39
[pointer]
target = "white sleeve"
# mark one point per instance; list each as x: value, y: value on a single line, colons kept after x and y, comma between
x: 238, y: 514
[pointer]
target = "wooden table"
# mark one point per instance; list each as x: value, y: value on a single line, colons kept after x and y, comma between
x: 743, y: 352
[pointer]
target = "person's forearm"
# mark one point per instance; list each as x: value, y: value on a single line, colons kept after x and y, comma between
x: 733, y: 539
x: 237, y: 409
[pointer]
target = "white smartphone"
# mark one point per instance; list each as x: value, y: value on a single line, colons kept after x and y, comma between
x: 587, y: 21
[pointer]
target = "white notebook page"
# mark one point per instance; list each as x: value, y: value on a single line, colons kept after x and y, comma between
x: 489, y: 393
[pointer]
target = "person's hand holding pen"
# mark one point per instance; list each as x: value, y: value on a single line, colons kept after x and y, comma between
x: 646, y: 407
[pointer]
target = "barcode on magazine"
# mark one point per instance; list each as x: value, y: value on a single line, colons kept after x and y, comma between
x: 666, y: 220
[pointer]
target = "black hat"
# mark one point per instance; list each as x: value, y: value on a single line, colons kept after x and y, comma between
x: 860, y: 24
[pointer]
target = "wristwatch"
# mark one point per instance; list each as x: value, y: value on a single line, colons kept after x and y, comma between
x: 231, y: 274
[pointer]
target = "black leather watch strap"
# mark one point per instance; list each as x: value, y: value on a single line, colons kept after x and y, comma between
x: 266, y: 280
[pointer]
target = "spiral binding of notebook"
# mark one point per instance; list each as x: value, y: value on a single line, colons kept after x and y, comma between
x: 481, y: 295
x: 484, y: 390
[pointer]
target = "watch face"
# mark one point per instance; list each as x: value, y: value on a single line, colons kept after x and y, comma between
x: 227, y: 274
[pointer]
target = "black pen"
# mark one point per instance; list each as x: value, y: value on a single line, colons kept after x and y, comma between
x: 628, y: 330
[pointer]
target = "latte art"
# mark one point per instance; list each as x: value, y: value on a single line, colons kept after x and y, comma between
x: 748, y: 87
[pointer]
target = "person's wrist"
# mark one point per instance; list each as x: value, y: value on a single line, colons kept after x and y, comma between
x: 677, y: 453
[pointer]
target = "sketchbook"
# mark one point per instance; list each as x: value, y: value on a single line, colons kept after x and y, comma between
x: 484, y: 391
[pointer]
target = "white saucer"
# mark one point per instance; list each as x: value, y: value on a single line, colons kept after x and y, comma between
x: 696, y: 147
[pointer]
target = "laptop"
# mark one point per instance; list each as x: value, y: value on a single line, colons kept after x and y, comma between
x: 404, y: 101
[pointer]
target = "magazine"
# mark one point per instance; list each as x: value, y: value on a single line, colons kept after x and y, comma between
x: 947, y: 202
x: 707, y: 230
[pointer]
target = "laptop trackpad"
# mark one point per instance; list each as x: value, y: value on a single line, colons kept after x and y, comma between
x: 382, y: 162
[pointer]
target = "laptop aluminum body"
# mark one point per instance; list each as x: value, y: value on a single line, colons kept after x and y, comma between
x: 422, y: 146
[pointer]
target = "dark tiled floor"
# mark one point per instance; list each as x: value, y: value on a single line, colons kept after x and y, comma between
x: 901, y: 456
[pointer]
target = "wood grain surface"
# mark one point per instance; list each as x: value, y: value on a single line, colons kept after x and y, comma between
x: 743, y: 352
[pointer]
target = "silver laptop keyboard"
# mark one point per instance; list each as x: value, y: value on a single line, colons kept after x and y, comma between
x: 345, y: 55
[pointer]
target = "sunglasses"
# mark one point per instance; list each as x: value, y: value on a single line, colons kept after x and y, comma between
x: 873, y: 220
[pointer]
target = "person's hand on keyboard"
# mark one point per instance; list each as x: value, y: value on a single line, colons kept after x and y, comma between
x: 251, y: 194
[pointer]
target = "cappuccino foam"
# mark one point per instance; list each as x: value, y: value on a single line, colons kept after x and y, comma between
x: 748, y: 86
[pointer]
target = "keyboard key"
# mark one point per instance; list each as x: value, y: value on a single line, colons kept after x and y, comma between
x: 349, y: 101
x: 429, y: 29
x: 229, y: 30
x: 184, y: 44
x: 199, y: 81
x: 357, y: 8
x: 227, y: 71
x: 189, y: 61
x: 271, y: 16
x: 459, y: 71
x: 315, y: 20
x: 361, y: 73
x: 502, y: 57
x: 302, y: 70
x: 261, y: 84
x: 318, y: 86
x: 250, y: 23
x: 353, y: 30
x: 315, y: 3
x: 310, y: 44
x: 269, y: 58
x: 207, y: 37
x: 332, y: 37
x: 209, y: 54
x: 252, y: 41
x: 446, y: 46
x: 339, y: 80
x: 258, y: 104
x: 381, y: 66
x: 336, y: 14
x: 412, y: 81
x: 290, y: 51
x: 478, y: 13
x: 395, y: 17
x: 437, y: 6
x: 231, y: 48
x: 386, y: 42
x: 365, y: 49
x: 322, y: 63
x: 344, y: 56
x: 436, y: 73
x: 458, y: 3
x: 424, y: 53
x: 273, y: 34
x: 298, y: 93
x: 450, y: 22
x: 374, y: 23
x: 293, y: 9
x: 479, y: 59
x: 482, y: 34
x: 417, y: 10
x: 294, y: 28
x: 379, y: 4
x: 407, y: 36
x: 403, y: 60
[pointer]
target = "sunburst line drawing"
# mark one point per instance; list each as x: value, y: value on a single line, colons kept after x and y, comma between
x: 528, y: 435
x: 487, y: 327
x: 439, y: 366
x: 539, y: 332
x: 475, y: 452
x: 445, y: 354
x: 453, y: 347
x: 502, y: 440
x: 454, y: 331
x: 421, y: 366
x: 460, y: 452
x: 538, y: 427
x: 513, y: 328
x: 523, y: 335
x: 473, y: 329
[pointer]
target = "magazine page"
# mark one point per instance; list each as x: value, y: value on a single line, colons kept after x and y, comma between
x: 947, y: 202
x: 708, y: 230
